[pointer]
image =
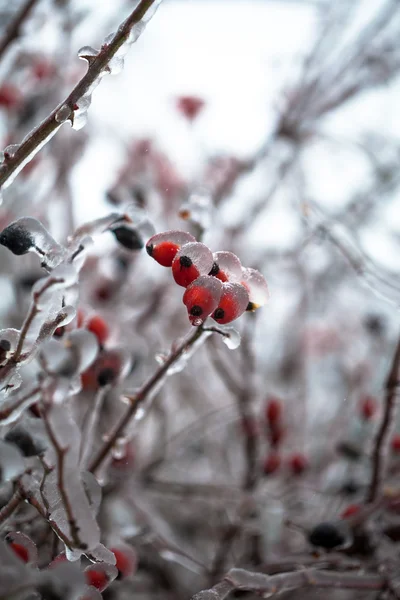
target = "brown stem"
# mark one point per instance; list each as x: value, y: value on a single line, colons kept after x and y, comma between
x: 61, y: 452
x: 34, y: 310
x: 380, y: 449
x: 41, y: 134
x: 140, y: 397
x: 11, y: 506
x: 14, y: 28
x: 29, y: 497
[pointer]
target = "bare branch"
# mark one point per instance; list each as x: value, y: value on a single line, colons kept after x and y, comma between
x: 14, y: 29
x: 268, y: 586
x: 42, y: 134
x: 141, y: 396
x: 380, y: 450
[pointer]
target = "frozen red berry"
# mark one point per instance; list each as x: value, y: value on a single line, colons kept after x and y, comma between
x: 368, y: 407
x: 350, y: 511
x: 395, y: 443
x: 97, y: 577
x: 190, y: 106
x: 20, y: 551
x: 201, y: 298
x: 126, y: 560
x: 271, y: 464
x: 273, y: 411
x: 233, y: 303
x: 163, y: 247
x: 192, y: 260
x: 298, y: 464
x: 99, y: 327
x: 10, y: 96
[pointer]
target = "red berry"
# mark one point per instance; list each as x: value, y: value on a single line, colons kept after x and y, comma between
x: 350, y: 511
x: 96, y: 577
x: 396, y: 443
x: 273, y: 411
x: 190, y: 106
x: 99, y: 327
x: 298, y: 464
x: 20, y: 551
x: 163, y: 247
x: 271, y: 464
x: 201, y: 298
x: 233, y: 303
x: 184, y: 271
x: 126, y: 561
x: 10, y: 96
x: 165, y: 253
x: 368, y: 407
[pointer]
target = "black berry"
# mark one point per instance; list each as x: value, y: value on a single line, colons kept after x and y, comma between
x: 128, y: 238
x: 17, y: 239
x: 328, y: 535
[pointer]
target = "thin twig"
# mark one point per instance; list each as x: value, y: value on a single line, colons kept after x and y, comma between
x: 14, y: 28
x: 34, y: 310
x: 11, y: 506
x: 268, y: 586
x: 60, y: 453
x: 382, y: 437
x: 42, y: 134
x: 136, y: 400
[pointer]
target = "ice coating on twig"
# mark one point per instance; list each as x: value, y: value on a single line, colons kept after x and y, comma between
x: 182, y: 361
x: 233, y: 303
x: 198, y: 209
x: 257, y: 287
x: 63, y: 114
x: 74, y: 517
x: 12, y: 409
x: 231, y: 337
x: 192, y: 260
x: 70, y: 356
x: 201, y: 298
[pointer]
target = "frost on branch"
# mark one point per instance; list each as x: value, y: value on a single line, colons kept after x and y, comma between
x: 70, y: 506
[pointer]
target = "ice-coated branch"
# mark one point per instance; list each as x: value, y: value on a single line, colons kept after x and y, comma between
x: 269, y: 586
x: 11, y: 506
x: 97, y: 66
x: 142, y: 394
x: 381, y: 445
x: 60, y: 454
x: 13, y: 30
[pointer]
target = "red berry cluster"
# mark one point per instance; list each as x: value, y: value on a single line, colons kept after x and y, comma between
x: 216, y: 284
x: 297, y: 463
